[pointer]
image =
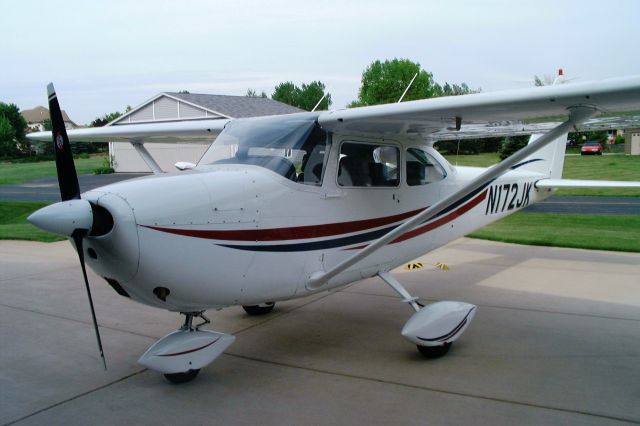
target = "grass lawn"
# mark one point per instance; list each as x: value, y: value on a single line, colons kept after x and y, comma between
x: 617, y: 233
x: 484, y: 159
x: 14, y: 225
x: 592, y: 167
x: 602, y: 167
x: 11, y: 173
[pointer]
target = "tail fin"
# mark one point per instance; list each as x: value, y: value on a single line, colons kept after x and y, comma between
x: 549, y: 160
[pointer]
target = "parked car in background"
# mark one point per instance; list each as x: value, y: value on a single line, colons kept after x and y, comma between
x: 591, y: 148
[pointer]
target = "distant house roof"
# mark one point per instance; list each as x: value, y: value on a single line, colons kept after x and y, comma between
x: 171, y: 106
x: 238, y: 106
x: 39, y: 114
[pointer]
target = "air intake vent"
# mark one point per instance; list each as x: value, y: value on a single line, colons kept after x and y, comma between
x: 102, y: 221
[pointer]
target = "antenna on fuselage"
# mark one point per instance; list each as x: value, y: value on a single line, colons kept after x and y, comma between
x: 407, y: 89
x: 318, y: 104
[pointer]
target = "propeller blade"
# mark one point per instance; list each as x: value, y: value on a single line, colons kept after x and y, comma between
x: 77, y: 236
x: 67, y: 177
x: 72, y: 218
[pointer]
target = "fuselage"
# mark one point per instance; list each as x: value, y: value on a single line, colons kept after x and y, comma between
x: 228, y: 234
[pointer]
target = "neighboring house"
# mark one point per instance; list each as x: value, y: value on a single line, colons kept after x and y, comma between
x: 35, y: 123
x: 35, y: 119
x: 170, y: 106
x: 632, y: 141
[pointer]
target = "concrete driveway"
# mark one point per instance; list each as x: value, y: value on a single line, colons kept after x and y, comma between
x: 556, y: 341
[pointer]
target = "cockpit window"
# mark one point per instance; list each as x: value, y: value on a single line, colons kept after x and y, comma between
x: 292, y: 146
x: 368, y: 165
x: 422, y: 168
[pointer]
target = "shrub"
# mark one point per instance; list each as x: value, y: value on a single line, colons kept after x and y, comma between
x: 106, y: 167
x: 512, y: 144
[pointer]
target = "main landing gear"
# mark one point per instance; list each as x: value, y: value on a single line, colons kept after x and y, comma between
x: 263, y: 308
x: 180, y: 355
x: 433, y: 328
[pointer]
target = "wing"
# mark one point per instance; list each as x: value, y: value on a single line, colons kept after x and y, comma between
x: 184, y: 131
x: 525, y: 111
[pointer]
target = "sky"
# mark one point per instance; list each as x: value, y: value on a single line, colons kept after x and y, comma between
x: 105, y: 55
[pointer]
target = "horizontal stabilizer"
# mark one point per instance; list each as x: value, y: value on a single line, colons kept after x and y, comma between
x: 580, y: 183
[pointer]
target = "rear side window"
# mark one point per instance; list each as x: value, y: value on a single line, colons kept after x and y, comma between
x: 422, y: 168
x: 368, y: 165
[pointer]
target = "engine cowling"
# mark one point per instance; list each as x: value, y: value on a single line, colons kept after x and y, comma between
x: 439, y: 323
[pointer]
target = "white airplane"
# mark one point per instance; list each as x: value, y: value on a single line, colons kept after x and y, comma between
x: 287, y: 206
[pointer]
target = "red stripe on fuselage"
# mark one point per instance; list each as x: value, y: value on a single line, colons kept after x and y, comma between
x: 294, y: 233
x: 436, y: 223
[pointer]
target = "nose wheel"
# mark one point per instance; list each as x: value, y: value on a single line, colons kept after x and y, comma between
x: 433, y: 352
x: 185, y: 377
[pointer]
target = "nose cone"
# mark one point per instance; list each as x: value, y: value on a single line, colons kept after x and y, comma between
x: 64, y: 217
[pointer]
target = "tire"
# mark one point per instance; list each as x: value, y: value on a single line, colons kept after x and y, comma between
x: 433, y: 352
x: 262, y: 309
x: 185, y: 377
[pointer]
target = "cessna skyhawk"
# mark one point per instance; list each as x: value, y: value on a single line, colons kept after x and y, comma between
x: 286, y: 206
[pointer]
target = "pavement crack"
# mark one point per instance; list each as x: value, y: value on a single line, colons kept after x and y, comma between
x: 431, y: 389
x: 101, y: 326
x: 73, y: 398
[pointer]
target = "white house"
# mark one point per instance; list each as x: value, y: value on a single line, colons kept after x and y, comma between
x: 171, y: 106
x: 35, y: 118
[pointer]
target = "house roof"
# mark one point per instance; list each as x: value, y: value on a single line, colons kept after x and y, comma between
x: 39, y: 114
x: 237, y: 106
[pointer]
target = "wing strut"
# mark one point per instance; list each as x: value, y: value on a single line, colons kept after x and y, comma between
x: 577, y: 115
x: 147, y: 157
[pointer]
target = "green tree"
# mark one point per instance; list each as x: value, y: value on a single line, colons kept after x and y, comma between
x: 469, y: 146
x: 579, y: 138
x: 512, y: 144
x: 384, y: 82
x: 287, y: 93
x: 90, y: 147
x: 453, y: 89
x: 305, y: 97
x: 105, y: 119
x: 7, y: 138
x: 310, y: 94
x: 20, y: 144
x: 251, y: 93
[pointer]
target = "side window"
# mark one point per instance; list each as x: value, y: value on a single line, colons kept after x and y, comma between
x: 422, y: 168
x: 368, y: 165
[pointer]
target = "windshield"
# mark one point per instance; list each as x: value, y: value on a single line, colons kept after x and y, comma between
x: 293, y: 146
